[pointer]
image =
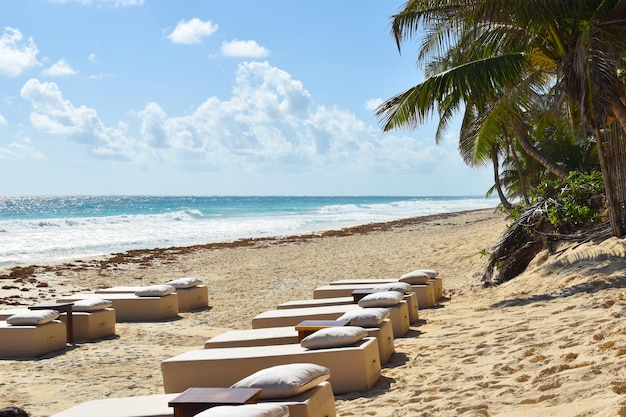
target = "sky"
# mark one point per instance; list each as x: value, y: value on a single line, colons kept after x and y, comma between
x: 238, y: 97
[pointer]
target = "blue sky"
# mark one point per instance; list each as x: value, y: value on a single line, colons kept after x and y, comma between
x: 230, y: 97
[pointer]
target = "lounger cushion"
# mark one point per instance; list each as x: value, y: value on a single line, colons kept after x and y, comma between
x: 155, y: 291
x: 332, y: 337
x: 246, y: 410
x: 287, y: 380
x: 93, y: 304
x: 433, y: 273
x: 32, y: 317
x: 381, y: 299
x: 402, y: 287
x: 365, y: 317
x: 416, y: 277
x: 185, y: 282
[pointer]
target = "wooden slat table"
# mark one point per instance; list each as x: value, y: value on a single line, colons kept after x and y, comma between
x: 358, y: 294
x: 307, y: 327
x: 195, y: 400
x: 61, y: 308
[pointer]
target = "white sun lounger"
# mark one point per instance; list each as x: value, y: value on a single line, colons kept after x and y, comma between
x: 31, y: 341
x: 399, y: 316
x: 129, y: 307
x: 410, y: 298
x: 425, y: 292
x: 316, y: 402
x: 352, y: 368
x: 273, y: 336
x: 87, y: 326
x: 436, y: 281
x: 189, y: 299
x: 92, y: 325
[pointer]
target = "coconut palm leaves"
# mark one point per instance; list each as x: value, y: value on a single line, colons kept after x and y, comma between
x: 498, y: 59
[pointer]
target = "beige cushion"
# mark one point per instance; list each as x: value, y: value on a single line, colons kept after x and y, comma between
x: 415, y: 277
x: 365, y: 317
x: 283, y: 381
x: 185, y: 282
x: 246, y: 410
x: 155, y: 291
x: 433, y: 273
x: 32, y: 317
x: 91, y: 304
x: 402, y: 287
x: 381, y: 299
x: 331, y: 337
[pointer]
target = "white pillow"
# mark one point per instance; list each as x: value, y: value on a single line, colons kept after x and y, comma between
x: 155, y: 291
x: 283, y: 381
x: 381, y: 299
x: 331, y: 337
x: 91, y: 304
x: 433, y: 273
x: 247, y: 410
x: 415, y: 277
x: 32, y: 317
x: 399, y: 286
x: 185, y: 282
x: 365, y: 317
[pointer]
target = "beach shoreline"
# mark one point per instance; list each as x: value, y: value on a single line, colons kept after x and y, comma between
x: 105, y: 261
x: 552, y: 342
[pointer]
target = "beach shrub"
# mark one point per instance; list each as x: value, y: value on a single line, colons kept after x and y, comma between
x: 572, y: 208
x: 568, y: 204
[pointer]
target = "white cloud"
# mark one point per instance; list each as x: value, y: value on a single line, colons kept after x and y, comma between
x: 54, y: 115
x: 92, y: 58
x: 192, y: 31
x: 16, y: 56
x: 246, y: 49
x: 268, y: 124
x: 3, y: 121
x: 21, y: 149
x: 373, y: 104
x: 59, y: 69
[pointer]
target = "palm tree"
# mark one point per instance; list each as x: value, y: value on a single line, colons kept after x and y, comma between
x: 573, y: 49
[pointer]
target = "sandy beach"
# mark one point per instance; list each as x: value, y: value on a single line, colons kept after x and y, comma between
x: 551, y: 342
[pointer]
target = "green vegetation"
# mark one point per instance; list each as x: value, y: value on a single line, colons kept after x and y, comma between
x: 541, y: 90
x: 568, y: 204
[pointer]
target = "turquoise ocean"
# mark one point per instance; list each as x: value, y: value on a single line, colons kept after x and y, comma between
x: 41, y: 229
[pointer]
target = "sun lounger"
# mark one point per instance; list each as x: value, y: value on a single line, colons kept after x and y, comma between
x: 31, y: 340
x: 273, y: 336
x: 92, y: 325
x: 436, y: 281
x: 87, y: 325
x: 352, y: 368
x: 316, y: 402
x: 399, y: 316
x: 189, y: 299
x: 425, y: 292
x: 246, y: 410
x: 130, y: 307
x: 410, y: 298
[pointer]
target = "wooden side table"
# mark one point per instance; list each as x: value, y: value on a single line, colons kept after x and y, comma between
x: 307, y: 327
x: 358, y: 294
x: 61, y: 308
x: 196, y: 400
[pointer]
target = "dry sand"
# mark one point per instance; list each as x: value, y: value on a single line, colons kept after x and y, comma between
x: 552, y: 342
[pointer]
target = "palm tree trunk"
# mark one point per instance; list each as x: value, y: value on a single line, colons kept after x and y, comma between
x: 520, y: 172
x: 618, y: 109
x: 496, y: 178
x: 612, y: 157
x: 521, y: 135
